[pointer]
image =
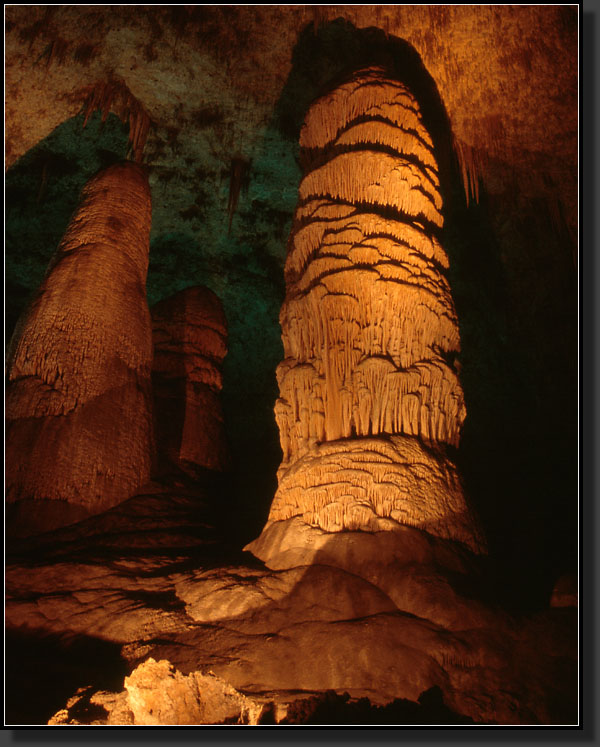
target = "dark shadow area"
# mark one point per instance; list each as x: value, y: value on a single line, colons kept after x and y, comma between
x: 332, y: 708
x: 518, y: 452
x: 173, y: 514
x: 44, y: 670
x: 588, y: 379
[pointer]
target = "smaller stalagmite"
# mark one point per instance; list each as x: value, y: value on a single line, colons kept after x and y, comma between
x: 78, y: 402
x: 370, y: 401
x: 190, y: 342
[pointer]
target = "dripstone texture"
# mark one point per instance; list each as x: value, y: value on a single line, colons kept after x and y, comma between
x: 79, y: 433
x: 220, y: 87
x: 190, y: 342
x: 369, y: 392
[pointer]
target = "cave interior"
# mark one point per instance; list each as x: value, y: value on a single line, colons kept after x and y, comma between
x: 210, y: 102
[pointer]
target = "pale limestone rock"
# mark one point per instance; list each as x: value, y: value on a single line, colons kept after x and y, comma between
x: 372, y: 484
x: 263, y: 601
x: 190, y: 336
x: 370, y: 397
x: 100, y: 708
x: 159, y: 696
x: 411, y: 568
x: 78, y: 403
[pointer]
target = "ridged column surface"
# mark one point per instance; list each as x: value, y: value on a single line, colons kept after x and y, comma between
x: 78, y: 403
x: 190, y: 343
x: 369, y: 393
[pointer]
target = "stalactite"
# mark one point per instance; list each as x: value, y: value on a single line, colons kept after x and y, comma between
x: 238, y: 177
x: 471, y: 169
x: 114, y: 95
x: 368, y: 396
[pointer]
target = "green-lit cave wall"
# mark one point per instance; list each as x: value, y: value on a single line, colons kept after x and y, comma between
x: 513, y: 280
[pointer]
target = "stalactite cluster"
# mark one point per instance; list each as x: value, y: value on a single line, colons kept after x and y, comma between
x: 114, y: 95
x: 78, y: 401
x: 238, y: 178
x: 369, y: 327
x: 471, y: 169
x: 190, y: 343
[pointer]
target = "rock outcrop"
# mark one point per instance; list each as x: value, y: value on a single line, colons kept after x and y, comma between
x: 370, y: 399
x: 78, y: 404
x: 273, y: 636
x: 190, y: 342
x: 157, y: 695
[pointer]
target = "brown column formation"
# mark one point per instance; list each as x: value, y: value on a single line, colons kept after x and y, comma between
x: 190, y: 343
x: 78, y: 403
x: 369, y: 395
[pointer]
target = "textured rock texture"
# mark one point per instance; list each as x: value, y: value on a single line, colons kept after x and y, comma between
x: 369, y: 393
x: 190, y: 342
x: 78, y: 403
x: 478, y: 55
x: 161, y: 514
x: 222, y: 85
x: 158, y: 696
x: 395, y: 620
x: 100, y: 708
x: 278, y: 635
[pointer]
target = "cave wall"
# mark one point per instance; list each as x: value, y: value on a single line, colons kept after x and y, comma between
x: 225, y: 98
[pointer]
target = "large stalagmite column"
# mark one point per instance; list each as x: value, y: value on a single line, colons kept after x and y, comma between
x: 78, y: 403
x: 369, y: 394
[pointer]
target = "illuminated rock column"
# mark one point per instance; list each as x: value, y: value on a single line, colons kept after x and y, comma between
x: 78, y: 403
x: 190, y: 343
x: 369, y: 394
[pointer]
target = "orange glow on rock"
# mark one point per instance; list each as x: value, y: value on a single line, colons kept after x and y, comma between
x: 190, y: 334
x: 368, y: 390
x: 78, y: 403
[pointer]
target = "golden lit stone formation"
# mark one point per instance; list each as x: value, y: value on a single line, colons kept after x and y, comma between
x: 369, y: 393
x: 78, y: 402
x: 190, y: 343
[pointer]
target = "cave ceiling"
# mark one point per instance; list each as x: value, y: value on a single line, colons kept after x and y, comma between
x: 226, y: 84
